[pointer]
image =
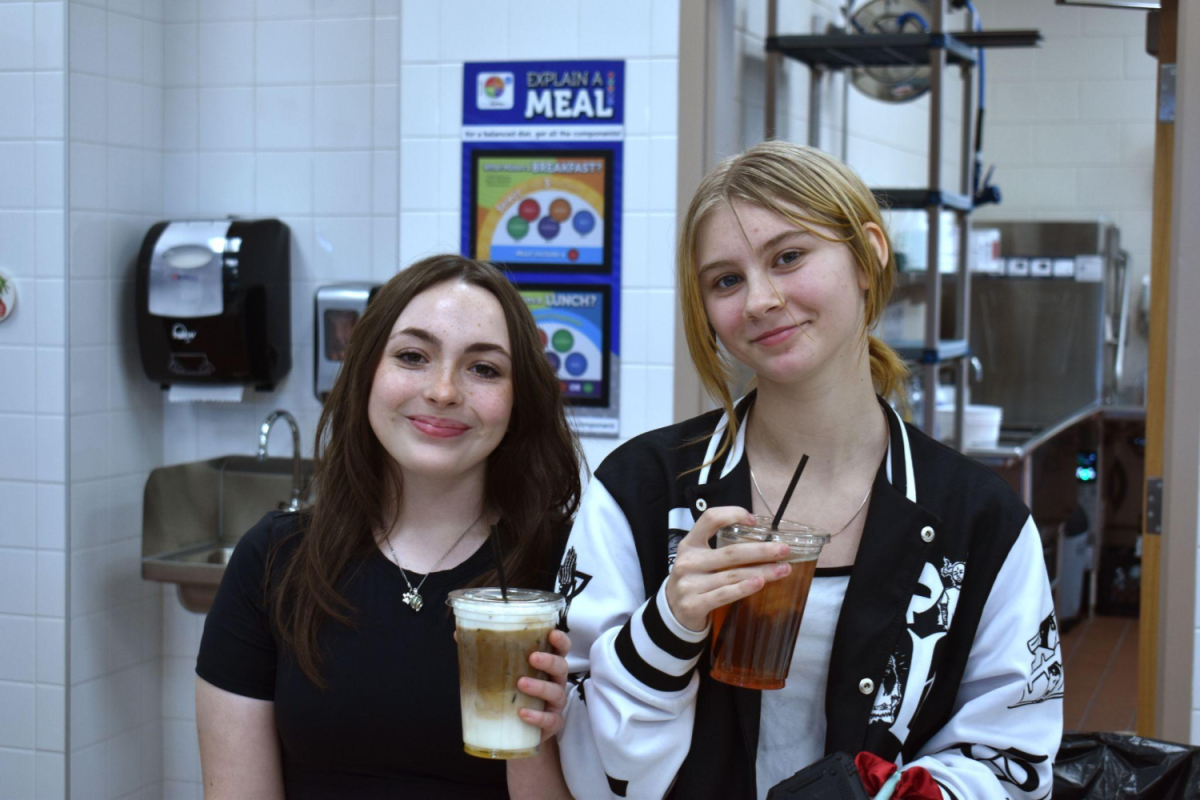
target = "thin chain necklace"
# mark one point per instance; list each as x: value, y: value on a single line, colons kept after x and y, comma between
x: 857, y: 511
x: 413, y: 596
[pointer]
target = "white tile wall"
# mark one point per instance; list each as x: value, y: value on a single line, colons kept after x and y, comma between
x: 32, y: 403
x: 1070, y: 126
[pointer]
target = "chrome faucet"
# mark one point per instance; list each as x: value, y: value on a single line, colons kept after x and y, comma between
x: 264, y: 432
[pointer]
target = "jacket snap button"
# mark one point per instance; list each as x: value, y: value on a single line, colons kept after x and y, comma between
x: 866, y: 686
x: 927, y: 534
x: 701, y: 505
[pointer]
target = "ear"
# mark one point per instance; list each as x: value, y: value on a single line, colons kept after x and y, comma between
x: 878, y: 243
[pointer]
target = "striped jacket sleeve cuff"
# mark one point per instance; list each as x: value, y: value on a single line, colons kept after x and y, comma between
x: 656, y: 649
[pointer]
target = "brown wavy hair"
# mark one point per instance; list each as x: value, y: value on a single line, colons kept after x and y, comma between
x: 533, y: 475
x: 811, y: 189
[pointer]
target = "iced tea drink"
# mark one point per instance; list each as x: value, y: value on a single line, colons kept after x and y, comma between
x: 754, y: 638
x: 495, y: 639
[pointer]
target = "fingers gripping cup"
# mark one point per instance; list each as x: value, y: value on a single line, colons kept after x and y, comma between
x: 495, y: 639
x: 753, y: 638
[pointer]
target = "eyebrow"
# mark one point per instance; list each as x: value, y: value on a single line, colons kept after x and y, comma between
x: 426, y: 336
x: 774, y: 241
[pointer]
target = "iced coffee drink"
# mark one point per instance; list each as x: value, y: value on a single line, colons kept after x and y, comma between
x: 495, y: 639
x: 754, y: 638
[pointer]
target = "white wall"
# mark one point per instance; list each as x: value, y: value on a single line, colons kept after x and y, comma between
x: 33, y: 405
x: 115, y: 115
x: 1071, y: 127
x: 437, y: 37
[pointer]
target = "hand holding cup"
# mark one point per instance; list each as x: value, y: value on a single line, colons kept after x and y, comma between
x: 553, y: 690
x: 704, y: 579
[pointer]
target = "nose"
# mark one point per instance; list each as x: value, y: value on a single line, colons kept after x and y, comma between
x: 761, y: 296
x: 442, y: 389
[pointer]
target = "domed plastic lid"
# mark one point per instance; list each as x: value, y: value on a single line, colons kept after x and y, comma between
x: 490, y: 600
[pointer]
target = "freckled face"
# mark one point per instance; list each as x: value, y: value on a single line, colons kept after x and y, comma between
x: 442, y: 395
x: 784, y: 302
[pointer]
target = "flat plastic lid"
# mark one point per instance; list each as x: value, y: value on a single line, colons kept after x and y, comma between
x: 520, y: 601
x: 793, y: 534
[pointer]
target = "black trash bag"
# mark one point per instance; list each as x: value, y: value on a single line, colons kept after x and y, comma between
x: 1112, y: 766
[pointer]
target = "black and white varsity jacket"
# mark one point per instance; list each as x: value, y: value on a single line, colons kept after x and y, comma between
x: 945, y: 654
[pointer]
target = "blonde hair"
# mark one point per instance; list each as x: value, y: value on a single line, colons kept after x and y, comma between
x: 811, y: 189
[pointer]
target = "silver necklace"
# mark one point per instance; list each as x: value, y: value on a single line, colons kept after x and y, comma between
x: 857, y: 511
x: 413, y: 596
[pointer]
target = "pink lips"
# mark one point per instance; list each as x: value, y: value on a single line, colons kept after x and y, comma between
x: 439, y: 427
x: 776, y: 336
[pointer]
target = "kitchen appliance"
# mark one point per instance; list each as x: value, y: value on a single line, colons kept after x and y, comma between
x: 1053, y: 343
x: 336, y: 310
x: 213, y: 303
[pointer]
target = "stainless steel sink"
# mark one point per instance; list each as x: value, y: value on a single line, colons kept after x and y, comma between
x: 195, y: 513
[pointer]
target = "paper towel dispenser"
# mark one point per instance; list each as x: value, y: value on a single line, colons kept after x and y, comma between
x: 214, y: 302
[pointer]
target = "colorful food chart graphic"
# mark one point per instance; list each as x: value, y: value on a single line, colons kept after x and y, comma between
x: 544, y: 208
x: 572, y: 321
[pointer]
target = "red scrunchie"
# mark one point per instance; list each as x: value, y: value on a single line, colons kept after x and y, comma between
x: 915, y: 784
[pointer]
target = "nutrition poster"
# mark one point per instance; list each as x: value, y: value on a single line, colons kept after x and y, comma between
x: 541, y: 198
x: 574, y: 329
x: 535, y: 209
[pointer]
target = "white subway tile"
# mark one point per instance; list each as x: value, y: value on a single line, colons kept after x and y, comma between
x: 664, y: 28
x: 418, y: 235
x: 540, y: 29
x: 123, y: 757
x: 181, y: 54
x: 16, y: 243
x: 1009, y: 144
x: 386, y: 31
x: 50, y: 379
x: 48, y: 37
x: 343, y: 9
x: 89, y: 176
x: 180, y: 189
x: 343, y: 248
x: 632, y: 399
x: 124, y: 180
x: 1033, y: 102
x: 87, y: 766
x: 476, y: 30
x: 226, y: 119
x: 181, y: 118
x: 384, y: 255
x: 88, y: 312
x: 450, y: 158
x: 1118, y: 101
x: 18, y: 393
x: 449, y: 79
x: 130, y: 8
x: 1088, y: 59
x: 635, y: 174
x: 1040, y: 187
x: 17, y: 767
x: 595, y: 450
x: 638, y: 89
x: 342, y: 183
x: 284, y: 9
x: 1060, y: 144
x: 179, y: 694
x: 664, y: 97
x: 49, y: 105
x: 225, y: 183
x: 284, y: 52
x: 660, y: 266
x: 418, y: 22
x: 88, y: 39
x: 153, y: 54
x: 386, y: 121
x: 89, y: 446
x: 224, y: 10
x: 50, y: 175
x: 1112, y: 22
x: 89, y: 379
x: 284, y: 183
x: 17, y: 655
x: 181, y: 751
x: 16, y: 98
x: 420, y: 100
x: 51, y: 318
x: 51, y: 718
x: 663, y: 161
x: 181, y: 628
x: 17, y: 441
x: 385, y: 183
x: 1112, y: 188
x: 420, y: 175
x: 20, y: 513
x: 633, y: 327
x: 91, y: 520
x: 51, y: 651
x: 1054, y: 21
x: 660, y: 327
x: 635, y: 249
x: 343, y: 50
x: 124, y: 48
x: 660, y: 384
x: 228, y: 49
x: 387, y: 8
x: 449, y: 232
x: 16, y: 165
x: 51, y: 583
x: 284, y: 117
x: 50, y: 250
x: 182, y: 790
x: 17, y: 700
x: 89, y: 629
x: 51, y: 776
x: 617, y: 29
x: 1139, y: 65
x: 343, y: 116
x: 180, y: 10
x: 51, y: 449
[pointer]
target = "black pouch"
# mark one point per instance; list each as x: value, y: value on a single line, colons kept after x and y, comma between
x: 832, y: 778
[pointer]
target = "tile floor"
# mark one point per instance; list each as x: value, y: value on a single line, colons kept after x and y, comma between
x: 1100, y: 664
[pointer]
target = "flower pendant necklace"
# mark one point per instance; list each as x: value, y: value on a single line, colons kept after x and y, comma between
x: 412, y: 598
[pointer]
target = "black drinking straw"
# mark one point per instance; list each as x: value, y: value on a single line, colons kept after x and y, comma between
x: 788, y: 494
x: 498, y: 556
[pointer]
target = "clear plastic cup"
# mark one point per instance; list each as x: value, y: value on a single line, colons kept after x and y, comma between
x: 495, y: 639
x: 754, y: 638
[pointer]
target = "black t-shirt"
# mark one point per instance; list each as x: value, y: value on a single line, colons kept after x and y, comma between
x: 389, y: 724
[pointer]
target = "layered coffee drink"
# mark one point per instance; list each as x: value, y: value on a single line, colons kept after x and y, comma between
x: 754, y: 638
x: 495, y: 639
